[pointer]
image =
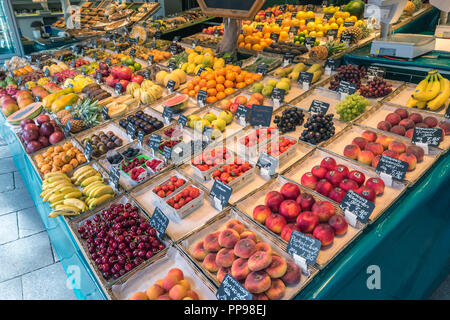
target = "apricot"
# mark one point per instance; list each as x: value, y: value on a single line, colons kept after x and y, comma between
x: 225, y: 257
x: 236, y: 225
x: 292, y: 275
x: 259, y: 261
x: 245, y: 248
x: 276, y: 290
x: 168, y: 282
x: 239, y: 269
x: 177, y: 273
x: 210, y: 263
x: 257, y: 282
x: 228, y: 238
x: 154, y: 292
x: 178, y: 292
x: 211, y: 243
x: 277, y: 268
x: 199, y: 252
x: 138, y: 296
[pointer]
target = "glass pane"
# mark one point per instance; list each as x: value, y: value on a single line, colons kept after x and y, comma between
x: 6, y: 41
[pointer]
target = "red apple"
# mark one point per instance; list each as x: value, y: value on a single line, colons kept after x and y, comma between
x: 309, y: 180
x: 287, y: 231
x: 290, y: 191
x: 307, y: 221
x: 324, y: 210
x: 273, y: 200
x: 324, y: 233
x: 260, y: 213
x: 339, y: 224
x: 290, y: 209
x: 306, y: 201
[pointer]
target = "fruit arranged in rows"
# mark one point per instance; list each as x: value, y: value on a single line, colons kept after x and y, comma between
x: 102, y: 142
x: 217, y: 122
x: 118, y: 240
x: 369, y: 147
x: 292, y: 72
x: 402, y: 122
x: 82, y: 115
x: 255, y: 98
x: 276, y: 148
x: 22, y: 71
x: 433, y: 92
x: 56, y: 68
x: 352, y: 106
x: 59, y: 158
x: 231, y: 171
x: 318, y: 128
x: 290, y: 209
x: 40, y: 134
x: 350, y: 73
x: 267, y: 88
x: 256, y: 137
x: 290, y: 118
x: 95, y: 91
x: 236, y: 251
x: 178, y: 76
x: 172, y: 287
x: 142, y: 121
x: 334, y: 180
x: 376, y: 88
x: 146, y: 91
x: 200, y: 57
x: 169, y: 143
x: 183, y: 197
x: 211, y: 158
x: 166, y: 188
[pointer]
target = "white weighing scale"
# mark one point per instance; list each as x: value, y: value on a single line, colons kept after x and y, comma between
x: 443, y: 28
x: 399, y: 45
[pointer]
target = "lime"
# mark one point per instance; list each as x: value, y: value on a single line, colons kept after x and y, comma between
x: 137, y: 66
x: 302, y: 39
x: 301, y: 35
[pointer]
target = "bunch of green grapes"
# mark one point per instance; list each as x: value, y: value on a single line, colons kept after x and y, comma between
x: 351, y: 107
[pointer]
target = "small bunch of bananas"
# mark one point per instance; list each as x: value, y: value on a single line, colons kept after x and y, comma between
x: 95, y: 190
x: 432, y: 92
x: 63, y: 196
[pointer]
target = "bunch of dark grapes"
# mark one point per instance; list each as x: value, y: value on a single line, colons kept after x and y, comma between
x: 350, y: 73
x: 319, y: 127
x: 376, y: 88
x: 289, y: 120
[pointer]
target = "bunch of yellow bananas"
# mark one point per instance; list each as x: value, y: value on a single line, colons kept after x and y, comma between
x: 432, y: 92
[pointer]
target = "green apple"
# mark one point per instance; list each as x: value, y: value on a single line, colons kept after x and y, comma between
x: 219, y: 124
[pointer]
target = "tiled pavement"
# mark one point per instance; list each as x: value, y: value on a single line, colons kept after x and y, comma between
x: 29, y: 267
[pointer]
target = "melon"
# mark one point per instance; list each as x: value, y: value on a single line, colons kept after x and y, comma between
x: 29, y: 112
x: 177, y: 103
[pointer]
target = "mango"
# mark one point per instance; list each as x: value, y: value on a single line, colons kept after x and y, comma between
x: 64, y: 101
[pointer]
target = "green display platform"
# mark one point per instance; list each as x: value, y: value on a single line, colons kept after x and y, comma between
x: 410, y: 242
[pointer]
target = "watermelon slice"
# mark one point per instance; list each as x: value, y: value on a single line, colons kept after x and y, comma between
x: 177, y: 103
x: 29, y: 112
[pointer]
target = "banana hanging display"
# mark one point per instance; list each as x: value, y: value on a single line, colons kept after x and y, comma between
x: 432, y: 93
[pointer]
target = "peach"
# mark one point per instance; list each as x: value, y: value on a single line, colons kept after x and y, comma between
x: 357, y: 176
x: 390, y: 153
x: 324, y: 187
x: 199, y: 252
x: 376, y: 184
x: 248, y: 234
x: 366, y: 157
x: 228, y: 238
x: 393, y: 118
x: 193, y: 295
x: 416, y: 117
x: 276, y: 290
x: 339, y: 224
x: 211, y: 242
x: 163, y: 297
x: 236, y: 225
x: 308, y: 180
x: 263, y: 246
x: 245, y: 248
x: 287, y: 231
x: 397, y: 146
x: 225, y: 257
x: 417, y: 151
x: 275, y: 223
x: 239, y: 269
x: 384, y: 141
x: 324, y: 210
x: 293, y: 274
x: 324, y: 233
x: 154, y: 292
x: 290, y: 209
x: 259, y: 260
x: 169, y: 281
x: 178, y: 292
x: 177, y: 273
x: 328, y: 163
x: 402, y: 113
x: 259, y: 296
x: 222, y: 273
x: 307, y: 221
x: 273, y: 200
x: 407, y: 124
x: 352, y: 151
x: 375, y: 147
x: 360, y: 142
x: 257, y: 282
x: 430, y: 121
x: 384, y: 125
x: 400, y: 130
x: 159, y: 283
x: 370, y: 136
x: 410, y: 159
x: 210, y: 263
x: 138, y: 296
x: 319, y: 172
x: 185, y: 284
x: 277, y: 268
x: 306, y: 201
x: 375, y: 161
x: 261, y: 212
x: 290, y: 191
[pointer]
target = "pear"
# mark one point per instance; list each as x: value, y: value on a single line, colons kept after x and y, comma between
x: 257, y: 87
x: 299, y: 67
x: 210, y: 117
x: 219, y: 124
x: 271, y: 83
x: 267, y: 91
x: 293, y: 76
x: 227, y: 116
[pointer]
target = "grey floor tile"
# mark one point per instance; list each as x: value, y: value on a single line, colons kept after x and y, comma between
x: 29, y: 222
x: 6, y: 182
x: 4, y: 151
x: 18, y: 182
x: 25, y: 255
x: 443, y: 291
x: 7, y: 165
x: 8, y: 228
x: 11, y: 289
x: 15, y: 200
x: 48, y: 283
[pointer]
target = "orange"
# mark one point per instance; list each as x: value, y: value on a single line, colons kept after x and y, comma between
x: 220, y: 95
x: 240, y: 85
x: 240, y: 78
x: 231, y: 76
x: 268, y: 41
x: 203, y: 82
x: 197, y: 88
x: 190, y: 86
x: 185, y: 91
x: 248, y: 46
x: 241, y: 38
x: 228, y: 84
x: 220, y: 79
x: 204, y: 88
x: 241, y: 45
x: 191, y: 93
x: 256, y: 47
x: 248, y: 39
x: 266, y: 35
x: 212, y: 92
x: 211, y: 84
x: 257, y: 76
x: 220, y: 72
x: 210, y: 76
x: 211, y: 99
x: 227, y: 67
x: 220, y: 88
x: 229, y: 91
x: 236, y: 69
x: 249, y: 80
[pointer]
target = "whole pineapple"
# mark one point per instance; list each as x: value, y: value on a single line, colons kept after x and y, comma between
x: 318, y: 52
x: 355, y: 31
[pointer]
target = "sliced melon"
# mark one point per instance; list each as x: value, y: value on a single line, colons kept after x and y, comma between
x: 29, y: 112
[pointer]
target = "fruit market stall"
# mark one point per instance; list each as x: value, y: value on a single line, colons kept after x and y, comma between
x: 152, y: 162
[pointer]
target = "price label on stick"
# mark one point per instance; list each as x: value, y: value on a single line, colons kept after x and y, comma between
x: 305, y: 79
x: 201, y: 98
x: 330, y: 65
x: 274, y: 36
x: 310, y: 42
x: 167, y: 153
x: 88, y: 150
x: 345, y: 88
x: 159, y: 221
x: 277, y: 96
x: 131, y: 130
x: 261, y: 115
x: 243, y: 113
x: 172, y: 66
x: 230, y: 289
x: 140, y: 136
x: 67, y: 128
x: 288, y: 58
x: 105, y: 113
x: 391, y: 169
x: 154, y: 141
x: 304, y: 249
x: 182, y: 120
x: 357, y: 205
x: 267, y: 164
x: 318, y: 106
x: 167, y: 114
x: 114, y: 176
x: 221, y: 193
x: 171, y: 86
x: 118, y: 88
x: 262, y: 69
x: 426, y: 137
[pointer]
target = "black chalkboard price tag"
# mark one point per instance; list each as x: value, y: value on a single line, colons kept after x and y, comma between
x: 349, y: 23
x: 375, y: 72
x: 95, y: 56
x: 279, y: 21
x: 345, y: 88
x: 140, y: 136
x: 167, y: 152
x: 309, y: 7
x: 332, y: 33
x: 200, y: 70
x: 259, y: 27
x: 207, y: 132
x: 243, y: 113
x: 318, y: 106
x: 108, y: 61
x: 47, y: 72
x: 37, y: 99
x: 310, y: 42
x: 159, y: 221
x: 88, y: 150
x: 114, y: 176
x: 330, y: 65
x: 147, y: 75
x: 131, y: 130
x: 158, y: 34
x: 328, y: 15
x: 305, y: 79
x: 429, y: 136
x: 274, y: 36
x: 261, y: 115
x: 98, y: 77
x: 268, y: 14
x: 262, y: 69
x: 133, y: 53
x: 118, y: 88
x: 55, y: 79
x: 154, y: 141
x: 182, y: 120
x: 195, y: 42
x: 230, y: 289
x: 228, y: 60
x: 447, y: 113
x: 267, y: 164
x: 153, y: 45
x: 216, y: 32
x: 170, y: 85
x: 105, y: 113
x: 67, y: 128
x: 176, y: 39
x: 38, y: 64
x: 201, y: 97
x: 356, y: 206
x: 277, y: 96
x: 172, y: 66
x: 167, y: 114
x: 288, y: 58
x: 304, y: 249
x: 72, y: 63
x: 173, y: 48
x: 293, y: 30
x: 221, y: 193
x: 390, y: 168
x: 150, y: 59
x: 346, y: 37
x: 83, y: 70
